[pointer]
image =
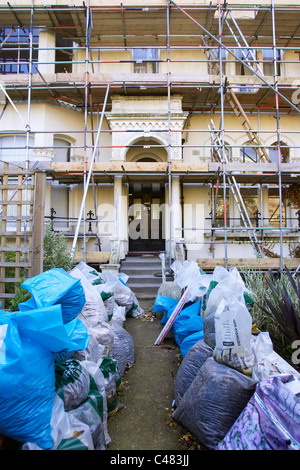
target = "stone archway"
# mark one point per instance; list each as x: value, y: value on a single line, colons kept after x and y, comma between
x: 146, y: 149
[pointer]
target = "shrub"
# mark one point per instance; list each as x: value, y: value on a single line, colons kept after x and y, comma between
x: 56, y: 253
x: 276, y: 306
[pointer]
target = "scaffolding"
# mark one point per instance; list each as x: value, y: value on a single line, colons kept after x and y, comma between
x: 166, y: 28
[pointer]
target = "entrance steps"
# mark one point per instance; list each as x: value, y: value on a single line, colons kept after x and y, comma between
x: 144, y: 274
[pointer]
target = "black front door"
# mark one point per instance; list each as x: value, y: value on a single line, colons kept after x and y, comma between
x: 146, y: 217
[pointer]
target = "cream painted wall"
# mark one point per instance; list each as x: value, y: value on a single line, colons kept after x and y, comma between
x: 196, y: 208
x: 184, y: 62
x: 104, y: 61
x: 198, y: 142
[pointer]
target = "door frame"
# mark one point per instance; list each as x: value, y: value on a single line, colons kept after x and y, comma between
x: 150, y: 245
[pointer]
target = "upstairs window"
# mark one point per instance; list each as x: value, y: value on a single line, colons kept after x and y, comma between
x: 63, y: 55
x: 247, y: 56
x: 268, y: 61
x: 13, y: 148
x: 15, y: 53
x: 145, y: 60
x: 248, y: 154
x: 213, y: 57
x: 62, y: 150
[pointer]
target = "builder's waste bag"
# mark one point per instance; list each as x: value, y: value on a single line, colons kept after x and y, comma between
x: 62, y: 358
x: 232, y: 391
x: 55, y: 286
x: 29, y: 341
x: 215, y: 398
x: 270, y: 420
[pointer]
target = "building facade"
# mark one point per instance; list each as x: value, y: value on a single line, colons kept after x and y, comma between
x: 162, y: 126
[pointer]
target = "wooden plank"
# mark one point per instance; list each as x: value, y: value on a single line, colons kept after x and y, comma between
x: 111, y: 167
x: 9, y: 279
x: 251, y: 263
x: 92, y: 256
x: 15, y: 202
x: 6, y: 296
x: 38, y: 224
x: 131, y: 167
x: 12, y: 234
x: 178, y: 166
x: 16, y: 217
x: 15, y: 186
x: 23, y: 249
x: 190, y: 167
x: 16, y: 172
x: 257, y: 167
x: 21, y: 264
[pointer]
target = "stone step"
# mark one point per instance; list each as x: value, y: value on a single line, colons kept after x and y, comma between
x: 149, y: 289
x: 133, y: 262
x: 143, y: 279
x: 141, y: 271
x: 135, y: 271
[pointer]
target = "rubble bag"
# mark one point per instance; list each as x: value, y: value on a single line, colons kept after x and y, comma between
x: 125, y: 338
x: 189, y: 321
x: 270, y: 421
x: 233, y: 325
x: 189, y: 368
x: 52, y: 287
x: 213, y: 402
x: 94, y: 305
x: 72, y: 382
x: 28, y: 343
x: 27, y: 386
x: 112, y: 379
x: 164, y: 304
x: 189, y: 341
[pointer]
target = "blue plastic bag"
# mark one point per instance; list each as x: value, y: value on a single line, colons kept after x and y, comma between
x: 164, y: 304
x: 189, y: 341
x: 53, y: 287
x: 189, y: 321
x: 28, y: 343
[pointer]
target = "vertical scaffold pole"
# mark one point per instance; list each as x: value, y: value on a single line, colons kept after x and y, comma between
x: 278, y: 132
x: 86, y: 187
x: 169, y: 138
x: 222, y: 133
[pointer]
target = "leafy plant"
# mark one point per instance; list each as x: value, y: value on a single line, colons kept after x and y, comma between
x: 20, y: 296
x: 56, y: 253
x: 259, y: 283
x: 285, y: 308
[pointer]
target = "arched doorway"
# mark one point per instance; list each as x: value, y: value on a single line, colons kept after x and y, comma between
x: 146, y: 212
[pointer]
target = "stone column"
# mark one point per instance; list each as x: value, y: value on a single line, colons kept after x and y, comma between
x: 118, y: 205
x: 116, y: 239
x: 46, y: 57
x: 176, y: 212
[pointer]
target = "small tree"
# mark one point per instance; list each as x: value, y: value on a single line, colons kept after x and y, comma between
x: 56, y: 253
